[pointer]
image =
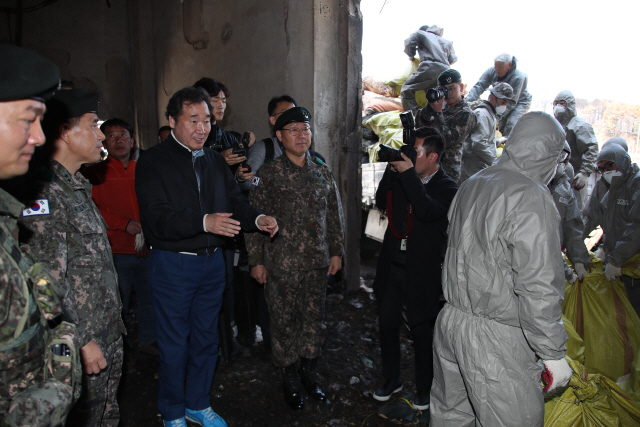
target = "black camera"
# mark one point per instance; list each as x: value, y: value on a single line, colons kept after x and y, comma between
x: 390, y: 154
x: 241, y: 149
x: 436, y: 93
x: 408, y: 128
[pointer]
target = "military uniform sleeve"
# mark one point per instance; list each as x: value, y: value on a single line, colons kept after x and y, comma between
x: 538, y: 274
x: 259, y: 197
x: 588, y: 146
x: 486, y: 80
x: 482, y: 138
x: 629, y: 244
x: 335, y: 221
x: 458, y: 127
x: 427, y: 207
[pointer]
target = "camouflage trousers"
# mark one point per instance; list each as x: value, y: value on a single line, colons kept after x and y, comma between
x: 98, y: 405
x: 295, y: 300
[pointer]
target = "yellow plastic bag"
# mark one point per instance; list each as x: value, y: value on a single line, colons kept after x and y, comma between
x: 382, y: 121
x: 591, y: 400
x: 603, y: 317
x: 391, y: 137
x: 396, y: 84
x: 631, y: 268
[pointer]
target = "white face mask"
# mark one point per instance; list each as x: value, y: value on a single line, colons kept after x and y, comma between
x: 608, y: 175
x: 500, y: 109
x: 560, y: 169
x: 559, y: 110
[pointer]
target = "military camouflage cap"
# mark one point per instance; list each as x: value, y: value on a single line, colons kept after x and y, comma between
x: 26, y: 75
x: 292, y: 115
x: 503, y: 90
x: 449, y: 76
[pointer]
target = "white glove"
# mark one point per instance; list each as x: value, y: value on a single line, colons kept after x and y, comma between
x: 501, y: 140
x: 580, y: 181
x: 556, y: 374
x: 139, y: 244
x: 573, y: 279
x: 580, y: 270
x: 600, y: 253
x: 611, y: 272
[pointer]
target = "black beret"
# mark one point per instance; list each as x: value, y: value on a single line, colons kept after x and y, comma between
x: 449, y: 76
x: 292, y: 115
x: 26, y: 75
x: 69, y: 103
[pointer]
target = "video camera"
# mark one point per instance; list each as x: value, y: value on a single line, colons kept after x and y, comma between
x: 390, y: 154
x: 436, y: 93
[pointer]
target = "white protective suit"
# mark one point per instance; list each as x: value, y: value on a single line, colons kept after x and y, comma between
x: 479, y: 150
x: 436, y: 55
x: 571, y: 226
x: 582, y: 141
x: 503, y: 281
x: 518, y: 81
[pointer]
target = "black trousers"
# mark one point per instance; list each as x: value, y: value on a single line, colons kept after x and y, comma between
x: 398, y: 294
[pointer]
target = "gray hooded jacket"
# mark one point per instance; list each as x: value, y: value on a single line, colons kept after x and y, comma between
x: 516, y: 78
x: 580, y: 136
x: 503, y: 258
x: 479, y: 150
x: 431, y: 46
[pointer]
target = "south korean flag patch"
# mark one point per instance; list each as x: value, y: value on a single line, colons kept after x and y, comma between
x: 39, y: 207
x: 255, y: 181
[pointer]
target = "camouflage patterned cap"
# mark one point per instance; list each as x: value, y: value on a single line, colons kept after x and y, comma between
x: 503, y: 90
x: 292, y: 115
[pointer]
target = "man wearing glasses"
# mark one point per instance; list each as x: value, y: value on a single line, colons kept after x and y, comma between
x: 301, y: 191
x: 582, y: 141
x: 452, y: 116
x: 618, y: 213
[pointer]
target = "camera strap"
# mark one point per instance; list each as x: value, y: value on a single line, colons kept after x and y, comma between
x: 390, y: 215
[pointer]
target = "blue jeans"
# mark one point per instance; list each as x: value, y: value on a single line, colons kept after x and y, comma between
x: 133, y: 273
x: 187, y: 296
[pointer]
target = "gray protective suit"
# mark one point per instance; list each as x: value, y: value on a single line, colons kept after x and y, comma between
x: 582, y: 141
x: 479, y: 150
x: 503, y: 282
x: 571, y: 226
x: 518, y: 81
x: 436, y: 55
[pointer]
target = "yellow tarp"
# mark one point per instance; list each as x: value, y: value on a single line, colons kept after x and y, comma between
x: 396, y: 84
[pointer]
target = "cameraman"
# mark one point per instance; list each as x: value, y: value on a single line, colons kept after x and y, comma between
x: 409, y: 267
x: 453, y: 118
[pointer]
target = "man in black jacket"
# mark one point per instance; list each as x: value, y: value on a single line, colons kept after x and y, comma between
x: 189, y: 204
x: 410, y: 262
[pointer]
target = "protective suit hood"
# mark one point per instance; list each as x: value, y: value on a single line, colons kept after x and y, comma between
x: 571, y: 111
x: 619, y: 141
x: 616, y: 154
x: 534, y: 146
x: 438, y: 31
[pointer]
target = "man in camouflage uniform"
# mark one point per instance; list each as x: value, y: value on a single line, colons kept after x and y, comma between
x: 29, y: 297
x: 454, y: 119
x: 71, y: 238
x: 300, y: 191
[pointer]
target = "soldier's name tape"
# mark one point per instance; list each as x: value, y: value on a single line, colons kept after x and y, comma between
x: 39, y: 207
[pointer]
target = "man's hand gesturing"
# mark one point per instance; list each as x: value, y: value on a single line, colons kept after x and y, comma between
x: 222, y: 224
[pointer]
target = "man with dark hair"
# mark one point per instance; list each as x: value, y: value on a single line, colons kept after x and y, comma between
x: 72, y: 241
x: 114, y: 193
x: 452, y: 116
x: 416, y: 194
x: 187, y: 198
x: 29, y: 296
x: 163, y: 133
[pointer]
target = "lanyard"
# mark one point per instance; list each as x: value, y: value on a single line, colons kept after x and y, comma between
x: 390, y: 215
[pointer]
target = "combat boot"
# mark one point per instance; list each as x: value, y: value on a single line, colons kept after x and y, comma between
x: 292, y: 390
x: 309, y: 378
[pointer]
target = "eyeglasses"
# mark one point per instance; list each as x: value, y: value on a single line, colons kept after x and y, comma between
x: 606, y: 167
x: 296, y: 131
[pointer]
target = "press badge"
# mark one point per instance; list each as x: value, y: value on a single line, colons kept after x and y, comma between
x: 403, y: 244
x: 39, y: 207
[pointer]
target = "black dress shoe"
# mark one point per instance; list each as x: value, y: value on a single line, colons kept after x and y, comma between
x: 309, y: 378
x: 292, y: 390
x: 421, y: 401
x: 384, y: 392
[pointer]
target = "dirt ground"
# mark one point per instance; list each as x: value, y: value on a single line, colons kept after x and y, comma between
x: 247, y: 390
